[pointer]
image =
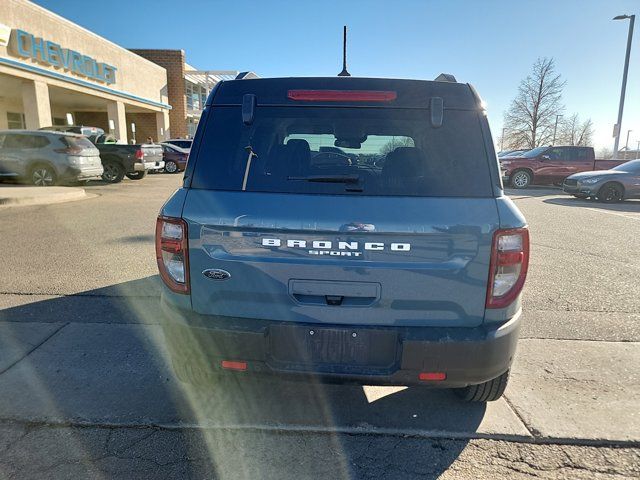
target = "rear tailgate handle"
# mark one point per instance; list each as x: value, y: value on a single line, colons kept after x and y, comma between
x: 334, y: 293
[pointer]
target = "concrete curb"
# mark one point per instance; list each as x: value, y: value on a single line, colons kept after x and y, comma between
x: 18, y: 195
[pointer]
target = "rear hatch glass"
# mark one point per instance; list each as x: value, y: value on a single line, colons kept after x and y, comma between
x: 351, y: 151
x: 79, y: 143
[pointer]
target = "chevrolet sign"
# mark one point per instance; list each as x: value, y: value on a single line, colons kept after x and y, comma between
x: 24, y: 44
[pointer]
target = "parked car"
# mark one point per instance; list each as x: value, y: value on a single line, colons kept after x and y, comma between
x: 92, y: 133
x: 277, y: 261
x: 512, y: 153
x: 609, y: 186
x: 175, y: 158
x: 48, y: 158
x: 119, y: 159
x: 550, y: 165
x: 184, y: 143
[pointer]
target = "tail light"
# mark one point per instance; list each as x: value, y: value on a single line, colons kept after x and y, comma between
x: 508, y: 268
x: 172, y: 253
x: 69, y: 150
x: 342, y: 95
x: 139, y: 154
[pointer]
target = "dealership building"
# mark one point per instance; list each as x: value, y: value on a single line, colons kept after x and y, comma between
x: 54, y: 72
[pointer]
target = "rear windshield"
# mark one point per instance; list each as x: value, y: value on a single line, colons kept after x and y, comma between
x: 351, y: 151
x: 77, y: 142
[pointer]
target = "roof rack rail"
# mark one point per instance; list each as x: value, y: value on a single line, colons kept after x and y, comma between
x: 446, y: 77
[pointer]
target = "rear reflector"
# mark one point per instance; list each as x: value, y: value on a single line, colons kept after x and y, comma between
x: 433, y: 376
x: 342, y: 95
x: 233, y: 365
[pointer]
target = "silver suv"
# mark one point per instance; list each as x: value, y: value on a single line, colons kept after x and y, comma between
x: 48, y: 158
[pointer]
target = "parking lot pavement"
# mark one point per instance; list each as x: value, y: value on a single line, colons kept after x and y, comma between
x: 82, y: 359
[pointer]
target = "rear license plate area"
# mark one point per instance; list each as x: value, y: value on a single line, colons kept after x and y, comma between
x: 312, y: 346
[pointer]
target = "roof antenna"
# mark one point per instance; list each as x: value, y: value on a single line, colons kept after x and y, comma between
x: 344, y: 72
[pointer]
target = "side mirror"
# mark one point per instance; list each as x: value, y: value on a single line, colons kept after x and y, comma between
x: 545, y: 158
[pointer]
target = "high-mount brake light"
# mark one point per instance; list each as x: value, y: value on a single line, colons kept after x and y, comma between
x: 508, y: 268
x: 172, y: 253
x: 342, y: 95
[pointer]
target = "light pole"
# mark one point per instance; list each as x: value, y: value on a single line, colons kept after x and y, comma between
x: 638, y: 150
x: 632, y: 19
x: 555, y: 128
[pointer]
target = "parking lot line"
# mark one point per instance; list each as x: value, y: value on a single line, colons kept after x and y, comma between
x: 617, y: 214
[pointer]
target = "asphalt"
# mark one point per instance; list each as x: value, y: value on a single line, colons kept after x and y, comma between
x: 85, y: 378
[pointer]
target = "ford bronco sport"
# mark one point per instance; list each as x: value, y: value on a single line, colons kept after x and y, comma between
x: 354, y: 229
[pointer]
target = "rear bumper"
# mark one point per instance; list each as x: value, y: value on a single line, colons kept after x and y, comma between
x: 154, y: 165
x: 84, y: 173
x: 466, y: 355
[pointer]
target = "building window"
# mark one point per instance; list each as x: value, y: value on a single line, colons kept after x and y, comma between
x: 192, y: 125
x: 57, y: 121
x: 15, y: 121
x: 196, y: 95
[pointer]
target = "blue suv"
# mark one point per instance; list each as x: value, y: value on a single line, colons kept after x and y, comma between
x: 352, y: 229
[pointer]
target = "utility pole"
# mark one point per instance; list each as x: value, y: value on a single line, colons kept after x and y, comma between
x: 638, y: 150
x: 632, y: 19
x: 555, y: 128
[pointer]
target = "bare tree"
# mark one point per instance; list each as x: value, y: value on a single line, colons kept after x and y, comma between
x: 575, y: 132
x: 396, y: 142
x: 605, y: 153
x: 530, y: 119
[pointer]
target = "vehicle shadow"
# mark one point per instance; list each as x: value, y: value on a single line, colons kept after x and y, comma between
x: 632, y: 206
x: 100, y: 358
x: 533, y: 191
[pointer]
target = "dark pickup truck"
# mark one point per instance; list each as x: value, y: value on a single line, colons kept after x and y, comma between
x: 550, y: 165
x: 119, y: 160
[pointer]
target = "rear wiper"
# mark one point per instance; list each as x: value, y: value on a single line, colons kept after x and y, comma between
x: 328, y: 178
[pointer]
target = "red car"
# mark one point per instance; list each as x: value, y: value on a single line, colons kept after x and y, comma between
x: 175, y: 158
x: 550, y: 165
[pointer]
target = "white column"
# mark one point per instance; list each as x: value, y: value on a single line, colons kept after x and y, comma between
x: 36, y: 105
x: 116, y: 115
x: 162, y: 125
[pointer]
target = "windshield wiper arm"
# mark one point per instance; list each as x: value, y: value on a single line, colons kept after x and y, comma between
x: 328, y: 178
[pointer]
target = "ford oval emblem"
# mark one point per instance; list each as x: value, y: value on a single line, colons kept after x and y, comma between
x: 216, y: 274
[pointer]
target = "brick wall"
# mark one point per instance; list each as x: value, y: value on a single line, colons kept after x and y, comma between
x: 173, y: 62
x: 145, y: 126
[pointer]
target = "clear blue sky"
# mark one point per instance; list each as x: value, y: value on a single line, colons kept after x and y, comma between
x: 491, y: 44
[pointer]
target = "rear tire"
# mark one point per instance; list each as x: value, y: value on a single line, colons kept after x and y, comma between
x: 485, y: 392
x: 170, y: 166
x: 521, y: 179
x: 611, y: 193
x: 137, y: 175
x: 113, y: 172
x: 42, y: 175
